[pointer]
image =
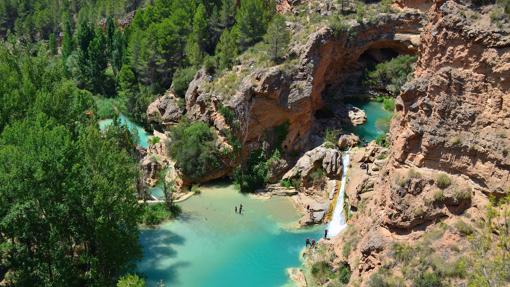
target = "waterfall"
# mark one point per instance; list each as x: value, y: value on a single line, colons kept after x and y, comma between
x: 337, y: 223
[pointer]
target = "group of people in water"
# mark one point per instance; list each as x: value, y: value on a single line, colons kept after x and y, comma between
x: 240, y: 209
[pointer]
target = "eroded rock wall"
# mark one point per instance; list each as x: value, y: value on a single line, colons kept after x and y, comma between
x: 455, y: 115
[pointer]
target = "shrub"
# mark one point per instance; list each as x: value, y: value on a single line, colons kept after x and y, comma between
x: 195, y: 189
x: 403, y: 252
x: 182, y: 78
x: 438, y: 196
x: 154, y: 214
x: 331, y: 137
x: 390, y: 76
x: 322, y: 271
x: 318, y: 177
x: 443, y: 181
x: 389, y: 104
x: 428, y: 279
x: 193, y: 147
x: 382, y: 140
x: 286, y: 183
x: 228, y: 114
x: 131, y: 280
x: 154, y: 140
x: 462, y: 194
x: 338, y: 25
x: 463, y: 228
x: 344, y: 274
x: 210, y: 65
x: 253, y: 174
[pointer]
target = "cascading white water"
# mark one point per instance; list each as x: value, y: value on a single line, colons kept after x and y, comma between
x: 337, y: 223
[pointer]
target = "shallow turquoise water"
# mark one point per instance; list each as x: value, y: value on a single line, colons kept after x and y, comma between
x: 378, y: 120
x: 211, y: 245
x: 138, y: 130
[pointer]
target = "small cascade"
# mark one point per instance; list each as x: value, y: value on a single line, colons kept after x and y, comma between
x: 337, y: 223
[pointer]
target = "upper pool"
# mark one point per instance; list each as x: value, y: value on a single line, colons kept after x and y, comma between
x: 378, y: 120
x: 211, y: 245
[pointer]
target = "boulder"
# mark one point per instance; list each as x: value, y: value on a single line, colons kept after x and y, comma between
x: 356, y: 115
x: 348, y: 141
x: 165, y: 110
x: 329, y: 159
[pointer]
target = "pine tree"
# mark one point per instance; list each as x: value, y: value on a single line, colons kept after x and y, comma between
x: 67, y: 41
x: 197, y: 41
x: 52, y: 44
x: 251, y: 22
x: 226, y: 50
x: 277, y: 38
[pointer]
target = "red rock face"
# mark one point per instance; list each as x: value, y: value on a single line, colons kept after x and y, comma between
x: 455, y: 115
x: 269, y: 97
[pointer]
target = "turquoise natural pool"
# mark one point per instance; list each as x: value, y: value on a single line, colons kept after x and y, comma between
x: 211, y: 245
x: 140, y: 132
x: 378, y: 120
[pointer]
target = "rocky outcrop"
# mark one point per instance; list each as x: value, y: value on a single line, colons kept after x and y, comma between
x: 166, y: 110
x: 327, y: 159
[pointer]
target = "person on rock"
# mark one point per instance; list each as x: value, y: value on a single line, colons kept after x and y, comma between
x: 325, y: 234
x: 307, y: 242
x: 313, y: 243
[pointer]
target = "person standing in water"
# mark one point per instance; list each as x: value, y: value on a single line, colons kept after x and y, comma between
x: 241, y: 208
x: 235, y: 208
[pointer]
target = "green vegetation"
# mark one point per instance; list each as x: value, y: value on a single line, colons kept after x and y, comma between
x: 277, y: 38
x: 181, y: 80
x: 193, y: 147
x: 253, y: 175
x: 68, y: 191
x: 155, y: 214
x: 331, y: 138
x: 443, y: 181
x: 131, y: 280
x: 389, y: 77
x: 411, y: 174
x: 382, y: 140
x: 322, y: 273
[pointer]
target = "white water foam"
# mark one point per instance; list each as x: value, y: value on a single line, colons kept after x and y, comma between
x: 337, y: 223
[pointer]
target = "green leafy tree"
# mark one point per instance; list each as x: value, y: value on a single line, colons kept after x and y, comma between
x: 193, y: 147
x: 277, y: 37
x: 389, y: 77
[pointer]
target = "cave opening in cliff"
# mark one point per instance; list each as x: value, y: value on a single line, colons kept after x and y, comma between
x: 347, y: 91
